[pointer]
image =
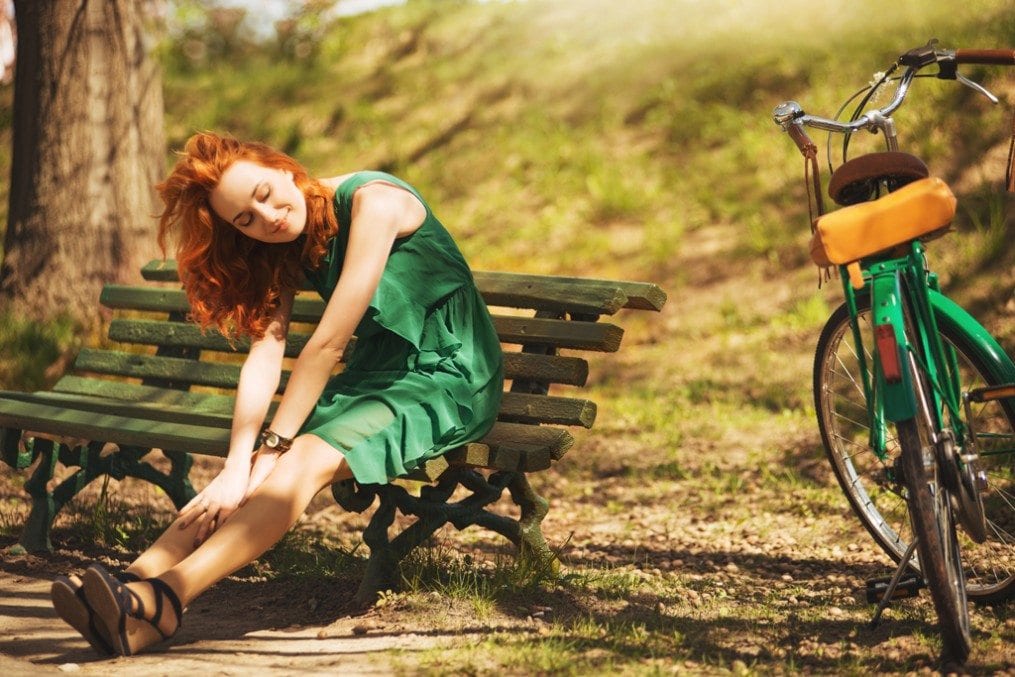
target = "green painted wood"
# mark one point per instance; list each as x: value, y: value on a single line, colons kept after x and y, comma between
x: 171, y: 368
x: 559, y: 333
x: 552, y: 369
x: 526, y: 408
x: 505, y: 441
x: 133, y: 392
x: 525, y: 438
x: 598, y: 336
x: 479, y: 455
x: 164, y: 300
x: 189, y: 335
x: 515, y: 407
x: 536, y: 460
x: 111, y: 428
x: 519, y: 290
x: 141, y: 410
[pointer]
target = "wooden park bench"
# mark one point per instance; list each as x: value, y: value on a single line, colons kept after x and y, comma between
x: 151, y: 404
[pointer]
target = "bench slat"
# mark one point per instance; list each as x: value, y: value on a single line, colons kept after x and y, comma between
x: 569, y: 294
x: 558, y: 333
x: 515, y: 407
x: 134, y: 392
x: 189, y: 335
x: 143, y: 410
x: 506, y: 441
x: 176, y: 369
x: 526, y: 366
x: 112, y: 428
x: 520, y: 290
x: 164, y: 300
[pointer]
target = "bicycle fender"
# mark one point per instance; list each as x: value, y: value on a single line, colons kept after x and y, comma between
x: 994, y: 356
x: 897, y: 399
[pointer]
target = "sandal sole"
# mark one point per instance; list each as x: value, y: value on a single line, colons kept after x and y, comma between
x: 75, y: 613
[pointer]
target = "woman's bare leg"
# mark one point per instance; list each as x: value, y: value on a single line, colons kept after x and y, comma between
x: 271, y: 510
x: 171, y: 548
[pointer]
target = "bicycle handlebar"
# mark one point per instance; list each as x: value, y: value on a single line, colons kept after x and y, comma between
x: 792, y: 118
x: 990, y: 57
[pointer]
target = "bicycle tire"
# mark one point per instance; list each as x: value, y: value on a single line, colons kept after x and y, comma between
x: 872, y: 492
x: 934, y: 528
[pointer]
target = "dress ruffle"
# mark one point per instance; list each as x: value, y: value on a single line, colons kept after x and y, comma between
x: 433, y: 403
x: 426, y: 373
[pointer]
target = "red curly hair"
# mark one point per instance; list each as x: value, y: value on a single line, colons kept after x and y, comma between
x: 232, y: 281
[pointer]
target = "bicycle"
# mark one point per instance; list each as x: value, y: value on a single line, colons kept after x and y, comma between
x: 912, y: 394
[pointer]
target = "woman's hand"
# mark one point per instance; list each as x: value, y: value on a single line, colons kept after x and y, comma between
x: 213, y: 506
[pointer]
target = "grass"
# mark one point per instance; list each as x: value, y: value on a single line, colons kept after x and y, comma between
x: 31, y: 352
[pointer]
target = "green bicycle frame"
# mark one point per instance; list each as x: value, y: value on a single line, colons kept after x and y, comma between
x: 901, y: 287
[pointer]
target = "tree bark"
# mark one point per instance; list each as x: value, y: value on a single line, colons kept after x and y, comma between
x: 88, y: 147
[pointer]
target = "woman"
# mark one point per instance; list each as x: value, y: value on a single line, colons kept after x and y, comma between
x: 425, y: 377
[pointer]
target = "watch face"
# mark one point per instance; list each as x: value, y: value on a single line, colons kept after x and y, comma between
x: 271, y: 440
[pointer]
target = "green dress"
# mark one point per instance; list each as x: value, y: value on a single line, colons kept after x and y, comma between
x: 426, y: 373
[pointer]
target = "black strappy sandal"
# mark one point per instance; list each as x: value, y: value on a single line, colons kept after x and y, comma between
x: 114, y: 603
x: 68, y: 597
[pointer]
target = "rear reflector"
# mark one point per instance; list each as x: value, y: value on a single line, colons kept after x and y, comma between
x: 888, y: 351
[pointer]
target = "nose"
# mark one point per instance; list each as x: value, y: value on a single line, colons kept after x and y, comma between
x: 268, y: 214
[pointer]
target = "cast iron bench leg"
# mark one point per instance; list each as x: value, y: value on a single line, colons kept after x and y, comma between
x: 433, y: 511
x: 534, y: 553
x: 46, y: 504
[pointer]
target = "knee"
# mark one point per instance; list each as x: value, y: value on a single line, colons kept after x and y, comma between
x: 310, y: 460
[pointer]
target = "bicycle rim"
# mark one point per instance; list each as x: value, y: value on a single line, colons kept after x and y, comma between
x: 867, y: 481
x: 937, y: 544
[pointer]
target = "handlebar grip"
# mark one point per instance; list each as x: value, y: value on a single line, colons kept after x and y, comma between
x: 996, y: 57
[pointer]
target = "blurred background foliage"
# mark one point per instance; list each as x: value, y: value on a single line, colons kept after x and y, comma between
x: 591, y: 137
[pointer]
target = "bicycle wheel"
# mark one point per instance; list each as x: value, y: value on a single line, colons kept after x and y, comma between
x: 930, y: 514
x: 872, y: 485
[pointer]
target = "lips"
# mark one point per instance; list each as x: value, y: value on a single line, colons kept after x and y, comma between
x: 284, y: 223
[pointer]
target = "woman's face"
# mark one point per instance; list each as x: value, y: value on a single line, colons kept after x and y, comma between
x: 260, y: 202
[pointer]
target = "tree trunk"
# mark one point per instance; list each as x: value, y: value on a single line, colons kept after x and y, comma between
x: 88, y: 146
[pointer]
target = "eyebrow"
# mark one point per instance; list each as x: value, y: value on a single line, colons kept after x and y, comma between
x: 252, y: 194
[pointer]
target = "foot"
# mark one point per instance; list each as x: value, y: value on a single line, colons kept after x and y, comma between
x: 70, y: 604
x: 135, y: 616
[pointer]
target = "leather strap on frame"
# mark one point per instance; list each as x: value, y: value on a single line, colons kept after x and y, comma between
x: 815, y: 203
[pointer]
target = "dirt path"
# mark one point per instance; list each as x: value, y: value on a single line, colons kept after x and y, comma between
x: 213, y: 641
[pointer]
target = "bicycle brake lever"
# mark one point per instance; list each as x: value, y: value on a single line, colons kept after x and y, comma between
x: 976, y: 87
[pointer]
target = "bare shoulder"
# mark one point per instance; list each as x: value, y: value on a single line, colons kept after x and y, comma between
x: 381, y: 199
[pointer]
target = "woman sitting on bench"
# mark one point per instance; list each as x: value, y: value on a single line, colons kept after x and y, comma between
x: 426, y: 375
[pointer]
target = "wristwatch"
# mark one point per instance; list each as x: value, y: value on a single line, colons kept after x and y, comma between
x: 275, y: 442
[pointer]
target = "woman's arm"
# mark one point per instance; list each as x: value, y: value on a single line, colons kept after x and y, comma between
x: 381, y: 213
x: 259, y: 378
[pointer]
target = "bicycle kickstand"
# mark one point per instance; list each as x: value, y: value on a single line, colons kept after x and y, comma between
x: 889, y: 594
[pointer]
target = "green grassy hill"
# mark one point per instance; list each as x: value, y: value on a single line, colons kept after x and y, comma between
x: 606, y: 130
x: 602, y: 132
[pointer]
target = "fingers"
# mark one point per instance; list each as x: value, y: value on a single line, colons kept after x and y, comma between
x: 206, y: 525
x: 200, y: 509
x: 225, y: 512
